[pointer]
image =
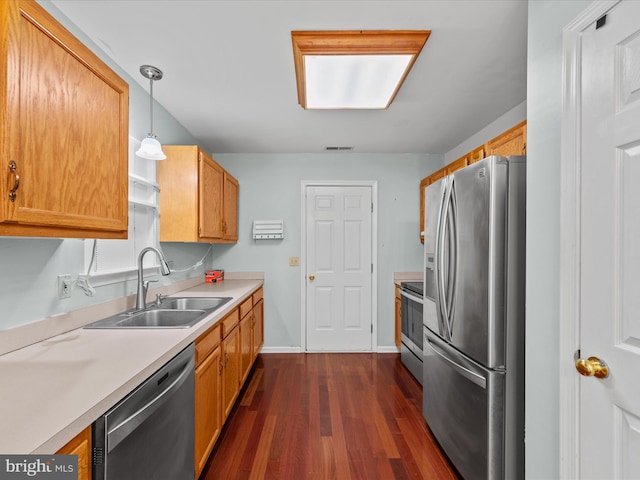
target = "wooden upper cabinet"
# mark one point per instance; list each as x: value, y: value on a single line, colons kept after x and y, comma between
x: 194, y: 204
x: 230, y: 211
x: 63, y: 132
x: 511, y: 142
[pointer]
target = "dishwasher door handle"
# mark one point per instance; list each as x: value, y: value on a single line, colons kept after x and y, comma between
x: 122, y: 430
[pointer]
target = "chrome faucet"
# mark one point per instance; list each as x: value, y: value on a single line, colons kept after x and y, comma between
x: 141, y: 297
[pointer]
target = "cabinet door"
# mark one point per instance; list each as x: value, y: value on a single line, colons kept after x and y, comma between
x: 511, y: 142
x: 231, y: 370
x: 258, y: 327
x: 210, y: 203
x: 246, y: 346
x: 67, y: 138
x: 80, y: 445
x: 208, y: 415
x: 456, y: 165
x: 398, y: 318
x: 230, y: 223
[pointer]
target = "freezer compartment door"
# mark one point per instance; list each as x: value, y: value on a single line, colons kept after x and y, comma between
x: 463, y: 404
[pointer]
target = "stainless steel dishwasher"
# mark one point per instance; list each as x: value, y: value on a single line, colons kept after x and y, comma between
x: 149, y: 434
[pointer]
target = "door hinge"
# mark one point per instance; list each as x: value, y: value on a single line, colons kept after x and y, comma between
x: 372, y: 268
x: 371, y: 207
x: 601, y: 21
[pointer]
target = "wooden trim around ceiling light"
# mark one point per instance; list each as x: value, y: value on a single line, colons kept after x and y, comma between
x: 354, y: 42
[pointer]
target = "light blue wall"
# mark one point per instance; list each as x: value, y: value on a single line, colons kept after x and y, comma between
x: 30, y: 266
x: 270, y: 188
x: 544, y: 111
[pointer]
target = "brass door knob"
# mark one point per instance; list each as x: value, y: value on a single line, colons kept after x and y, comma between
x: 592, y: 367
x: 312, y: 277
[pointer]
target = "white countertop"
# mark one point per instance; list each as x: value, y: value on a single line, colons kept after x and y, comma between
x: 52, y: 390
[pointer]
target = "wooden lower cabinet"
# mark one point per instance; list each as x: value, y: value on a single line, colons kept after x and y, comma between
x: 224, y: 356
x: 208, y: 414
x: 80, y: 445
x: 230, y: 370
x: 398, y: 319
x: 258, y: 325
x: 246, y: 345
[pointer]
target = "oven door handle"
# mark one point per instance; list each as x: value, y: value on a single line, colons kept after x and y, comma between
x: 412, y: 297
x: 122, y: 430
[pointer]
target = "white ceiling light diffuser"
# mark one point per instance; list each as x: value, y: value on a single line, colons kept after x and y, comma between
x: 353, y: 69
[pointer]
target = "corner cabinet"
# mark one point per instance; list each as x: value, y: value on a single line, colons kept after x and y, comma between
x: 63, y: 132
x: 198, y: 198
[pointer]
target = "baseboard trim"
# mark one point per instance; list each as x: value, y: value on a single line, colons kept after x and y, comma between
x: 281, y: 350
x: 267, y: 350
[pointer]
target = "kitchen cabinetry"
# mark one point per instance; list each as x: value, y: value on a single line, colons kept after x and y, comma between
x: 258, y: 323
x: 230, y: 208
x: 208, y: 415
x: 246, y: 334
x: 63, y: 132
x: 510, y: 142
x: 231, y: 361
x: 80, y: 445
x: 398, y: 323
x: 198, y: 198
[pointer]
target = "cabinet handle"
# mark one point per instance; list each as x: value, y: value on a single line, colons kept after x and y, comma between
x: 16, y: 181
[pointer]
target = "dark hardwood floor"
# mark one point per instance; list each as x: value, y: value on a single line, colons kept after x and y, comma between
x: 328, y: 416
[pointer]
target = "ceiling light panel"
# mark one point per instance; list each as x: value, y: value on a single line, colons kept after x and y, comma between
x: 353, y: 69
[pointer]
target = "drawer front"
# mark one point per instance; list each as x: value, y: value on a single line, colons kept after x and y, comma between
x: 207, y: 342
x: 245, y: 307
x: 257, y: 295
x: 230, y: 321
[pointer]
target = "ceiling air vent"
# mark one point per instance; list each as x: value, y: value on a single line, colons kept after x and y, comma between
x: 338, y: 149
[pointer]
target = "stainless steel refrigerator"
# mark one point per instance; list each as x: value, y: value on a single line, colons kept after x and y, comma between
x: 473, y: 348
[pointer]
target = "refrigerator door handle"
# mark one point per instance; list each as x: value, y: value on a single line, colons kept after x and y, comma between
x: 439, y: 263
x: 453, y: 257
x: 466, y: 373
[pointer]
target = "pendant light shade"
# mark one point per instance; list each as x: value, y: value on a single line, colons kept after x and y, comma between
x: 150, y: 147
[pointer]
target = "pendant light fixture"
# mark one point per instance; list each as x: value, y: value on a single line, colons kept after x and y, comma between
x: 150, y: 147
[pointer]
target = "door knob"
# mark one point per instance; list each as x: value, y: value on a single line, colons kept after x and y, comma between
x: 312, y: 277
x: 592, y: 367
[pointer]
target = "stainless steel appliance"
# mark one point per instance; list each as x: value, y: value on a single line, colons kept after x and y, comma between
x: 473, y: 355
x: 149, y: 434
x: 411, y: 327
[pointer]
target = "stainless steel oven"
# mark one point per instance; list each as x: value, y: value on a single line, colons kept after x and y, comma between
x: 411, y: 327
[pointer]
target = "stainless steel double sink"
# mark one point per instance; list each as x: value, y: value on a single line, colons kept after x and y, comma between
x: 171, y: 312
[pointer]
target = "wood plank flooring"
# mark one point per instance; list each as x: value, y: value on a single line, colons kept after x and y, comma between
x: 328, y: 416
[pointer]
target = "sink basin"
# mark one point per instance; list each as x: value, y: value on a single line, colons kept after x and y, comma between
x: 193, y: 303
x: 173, y: 312
x: 163, y: 319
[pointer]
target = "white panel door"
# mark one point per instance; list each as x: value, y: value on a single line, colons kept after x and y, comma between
x: 339, y: 268
x: 609, y: 421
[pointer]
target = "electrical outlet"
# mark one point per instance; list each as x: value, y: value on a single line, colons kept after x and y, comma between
x: 294, y: 261
x: 64, y: 286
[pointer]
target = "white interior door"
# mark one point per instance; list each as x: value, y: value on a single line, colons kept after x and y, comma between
x: 609, y: 286
x: 339, y: 268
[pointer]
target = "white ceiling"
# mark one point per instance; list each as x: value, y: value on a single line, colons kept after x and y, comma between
x: 229, y: 74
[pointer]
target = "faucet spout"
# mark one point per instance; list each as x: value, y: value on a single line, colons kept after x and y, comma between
x: 141, y: 295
